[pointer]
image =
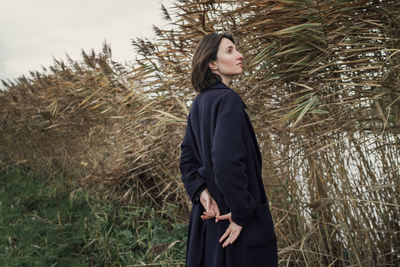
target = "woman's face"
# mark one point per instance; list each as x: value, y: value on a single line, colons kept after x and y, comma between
x: 229, y: 61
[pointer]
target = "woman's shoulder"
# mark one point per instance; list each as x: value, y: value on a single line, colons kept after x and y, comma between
x: 217, y: 94
x: 218, y: 90
x: 216, y: 87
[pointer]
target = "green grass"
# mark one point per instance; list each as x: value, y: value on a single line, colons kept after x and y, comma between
x: 45, y: 220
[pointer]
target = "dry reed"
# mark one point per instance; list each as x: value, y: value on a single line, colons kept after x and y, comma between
x: 322, y: 86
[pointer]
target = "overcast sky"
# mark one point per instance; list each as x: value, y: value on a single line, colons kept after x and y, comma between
x: 34, y: 31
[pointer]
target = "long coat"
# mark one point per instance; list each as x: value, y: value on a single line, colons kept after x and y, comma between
x: 220, y: 152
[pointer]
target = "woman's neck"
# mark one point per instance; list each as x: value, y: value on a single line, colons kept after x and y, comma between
x: 226, y: 80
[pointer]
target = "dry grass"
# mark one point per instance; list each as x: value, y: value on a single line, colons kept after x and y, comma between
x: 322, y: 86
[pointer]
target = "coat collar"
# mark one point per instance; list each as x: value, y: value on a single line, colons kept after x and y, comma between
x: 218, y: 85
x: 221, y: 85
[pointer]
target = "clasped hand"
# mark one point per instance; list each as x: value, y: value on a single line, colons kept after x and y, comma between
x: 211, y: 211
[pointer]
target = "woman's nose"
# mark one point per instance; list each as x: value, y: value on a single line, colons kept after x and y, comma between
x: 239, y: 56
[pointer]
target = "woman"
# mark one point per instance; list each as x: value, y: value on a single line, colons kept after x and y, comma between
x: 230, y: 223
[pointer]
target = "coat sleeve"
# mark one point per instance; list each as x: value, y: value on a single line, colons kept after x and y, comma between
x: 189, y: 165
x: 228, y: 156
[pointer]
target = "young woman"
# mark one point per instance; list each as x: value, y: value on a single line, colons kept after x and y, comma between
x: 230, y: 223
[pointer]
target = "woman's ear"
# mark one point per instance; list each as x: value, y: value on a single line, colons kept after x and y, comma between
x: 212, y: 66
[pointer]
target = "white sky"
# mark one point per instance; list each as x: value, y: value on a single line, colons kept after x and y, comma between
x: 32, y: 32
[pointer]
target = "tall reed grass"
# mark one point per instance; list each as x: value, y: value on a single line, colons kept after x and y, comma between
x: 321, y: 83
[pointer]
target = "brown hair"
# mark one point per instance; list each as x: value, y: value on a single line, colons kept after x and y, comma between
x: 206, y: 51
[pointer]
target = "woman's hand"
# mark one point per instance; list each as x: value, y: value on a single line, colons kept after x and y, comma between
x: 232, y: 232
x: 209, y: 204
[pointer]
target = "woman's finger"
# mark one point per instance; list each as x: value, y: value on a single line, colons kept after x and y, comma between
x: 215, y: 205
x: 205, y: 199
x: 207, y: 215
x: 225, y: 235
x: 224, y: 217
x: 217, y: 212
x: 210, y: 213
x: 226, y: 243
x: 215, y: 208
x: 233, y: 237
x: 204, y: 217
x: 209, y: 205
x: 229, y: 240
x: 233, y: 234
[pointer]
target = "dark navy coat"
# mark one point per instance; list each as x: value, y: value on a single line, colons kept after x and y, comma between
x: 220, y: 151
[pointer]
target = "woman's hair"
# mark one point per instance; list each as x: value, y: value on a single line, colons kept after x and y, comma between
x: 206, y: 51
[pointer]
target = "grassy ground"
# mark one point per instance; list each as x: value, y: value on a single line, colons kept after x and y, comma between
x: 50, y: 222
